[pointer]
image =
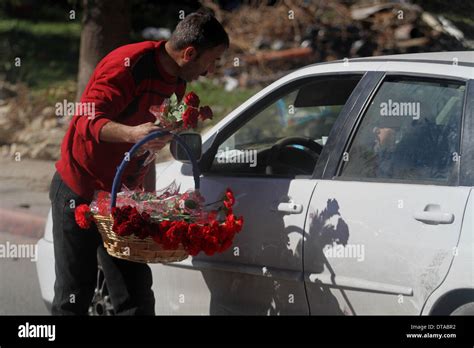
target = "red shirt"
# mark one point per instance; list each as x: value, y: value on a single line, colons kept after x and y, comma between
x: 123, y: 87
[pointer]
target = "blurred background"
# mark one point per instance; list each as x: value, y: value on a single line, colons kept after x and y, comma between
x: 49, y: 48
x: 60, y: 42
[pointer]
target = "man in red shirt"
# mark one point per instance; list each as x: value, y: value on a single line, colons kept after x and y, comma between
x: 122, y: 88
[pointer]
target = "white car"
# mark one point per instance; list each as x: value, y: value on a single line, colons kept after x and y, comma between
x: 355, y: 179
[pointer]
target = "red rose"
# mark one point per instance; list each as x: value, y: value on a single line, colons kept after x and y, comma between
x: 210, y: 245
x: 228, y: 206
x: 205, y: 113
x: 128, y: 221
x: 164, y: 226
x: 122, y: 229
x: 239, y: 223
x: 229, y: 195
x: 191, y: 99
x: 103, y: 203
x: 190, y: 117
x: 181, y: 227
x: 228, y: 226
x: 229, y: 200
x: 212, y: 215
x: 141, y: 224
x: 234, y: 224
x: 164, y: 108
x: 174, y: 235
x: 143, y: 232
x: 155, y: 232
x: 158, y: 110
x: 83, y: 216
x: 121, y: 214
x: 193, y: 240
x: 121, y: 226
x: 226, y: 237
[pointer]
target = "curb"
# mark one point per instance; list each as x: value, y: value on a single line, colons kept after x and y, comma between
x: 19, y: 223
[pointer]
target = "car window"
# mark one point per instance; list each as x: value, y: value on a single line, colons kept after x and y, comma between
x: 410, y: 131
x: 307, y: 112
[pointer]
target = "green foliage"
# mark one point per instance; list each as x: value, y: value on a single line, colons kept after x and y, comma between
x: 48, y: 51
x: 221, y: 101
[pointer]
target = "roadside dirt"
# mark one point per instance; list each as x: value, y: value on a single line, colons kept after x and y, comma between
x: 24, y: 185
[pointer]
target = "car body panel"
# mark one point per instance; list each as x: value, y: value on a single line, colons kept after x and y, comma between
x: 263, y: 271
x: 461, y: 272
x: 45, y: 269
x: 389, y: 258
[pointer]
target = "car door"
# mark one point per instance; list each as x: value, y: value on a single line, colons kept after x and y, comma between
x: 384, y: 222
x: 262, y: 273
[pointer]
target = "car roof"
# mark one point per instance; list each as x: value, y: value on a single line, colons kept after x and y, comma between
x: 463, y: 58
x: 456, y: 64
x: 434, y: 57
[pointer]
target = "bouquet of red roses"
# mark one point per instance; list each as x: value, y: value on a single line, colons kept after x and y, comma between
x: 169, y: 218
x: 177, y: 116
x: 174, y: 115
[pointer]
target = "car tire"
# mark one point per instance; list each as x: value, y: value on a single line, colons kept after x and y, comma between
x: 465, y: 309
x: 101, y: 305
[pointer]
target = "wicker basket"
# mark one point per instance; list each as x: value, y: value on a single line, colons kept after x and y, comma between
x: 135, y: 249
x: 132, y: 248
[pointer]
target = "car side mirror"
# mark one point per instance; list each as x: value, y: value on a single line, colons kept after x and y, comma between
x: 193, y: 141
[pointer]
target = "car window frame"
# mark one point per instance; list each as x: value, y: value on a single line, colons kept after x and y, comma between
x: 329, y: 158
x: 466, y: 170
x: 454, y: 179
x: 258, y: 106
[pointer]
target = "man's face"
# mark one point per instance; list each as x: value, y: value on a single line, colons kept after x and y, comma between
x: 384, y: 138
x: 194, y: 65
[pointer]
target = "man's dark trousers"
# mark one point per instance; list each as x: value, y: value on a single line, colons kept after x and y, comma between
x: 75, y: 253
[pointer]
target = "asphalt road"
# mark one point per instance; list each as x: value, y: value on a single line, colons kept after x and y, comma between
x: 19, y: 288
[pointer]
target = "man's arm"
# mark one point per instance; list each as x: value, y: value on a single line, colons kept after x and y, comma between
x: 114, y: 132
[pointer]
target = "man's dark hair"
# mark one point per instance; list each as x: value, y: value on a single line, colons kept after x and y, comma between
x: 200, y: 30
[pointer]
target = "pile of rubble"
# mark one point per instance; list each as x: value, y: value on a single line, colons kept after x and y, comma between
x: 269, y: 41
x: 29, y: 126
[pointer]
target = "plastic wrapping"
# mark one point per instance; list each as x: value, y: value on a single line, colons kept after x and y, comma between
x: 164, y: 203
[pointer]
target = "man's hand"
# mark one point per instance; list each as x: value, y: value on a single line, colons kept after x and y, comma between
x: 137, y: 133
x: 158, y: 143
x: 141, y: 131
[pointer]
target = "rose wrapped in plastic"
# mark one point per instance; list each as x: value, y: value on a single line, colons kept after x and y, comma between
x: 177, y: 116
x: 182, y: 221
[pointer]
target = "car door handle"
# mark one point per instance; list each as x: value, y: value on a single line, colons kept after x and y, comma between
x: 434, y: 217
x: 290, y: 207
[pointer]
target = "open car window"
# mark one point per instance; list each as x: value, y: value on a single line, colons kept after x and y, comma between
x: 308, y: 112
